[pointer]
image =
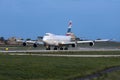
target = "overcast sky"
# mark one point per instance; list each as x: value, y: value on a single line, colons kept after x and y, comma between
x: 91, y: 19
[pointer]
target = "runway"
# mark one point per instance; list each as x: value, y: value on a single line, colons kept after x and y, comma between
x: 74, y: 50
x: 45, y: 52
x: 64, y: 55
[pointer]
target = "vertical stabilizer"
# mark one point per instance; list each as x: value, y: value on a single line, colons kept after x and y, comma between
x: 69, y: 27
x: 69, y: 32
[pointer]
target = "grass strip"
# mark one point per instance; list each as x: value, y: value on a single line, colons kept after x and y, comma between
x: 51, y: 68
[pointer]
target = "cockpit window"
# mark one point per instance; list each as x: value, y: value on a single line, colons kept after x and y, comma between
x: 46, y: 34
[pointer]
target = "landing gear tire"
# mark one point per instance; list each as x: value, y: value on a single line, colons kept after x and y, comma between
x: 34, y: 45
x: 55, y: 48
x: 61, y: 48
x: 47, y: 48
x: 65, y: 48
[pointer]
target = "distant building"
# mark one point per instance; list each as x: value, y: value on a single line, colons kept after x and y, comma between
x: 2, y: 40
x: 12, y: 41
x: 2, y: 43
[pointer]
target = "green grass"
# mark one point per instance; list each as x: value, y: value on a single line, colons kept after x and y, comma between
x: 110, y: 76
x: 51, y: 68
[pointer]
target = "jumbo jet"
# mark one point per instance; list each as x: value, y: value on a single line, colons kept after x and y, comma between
x: 61, y: 42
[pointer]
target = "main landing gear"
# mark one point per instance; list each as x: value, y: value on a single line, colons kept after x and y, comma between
x: 57, y: 48
x: 47, y: 47
x: 66, y: 48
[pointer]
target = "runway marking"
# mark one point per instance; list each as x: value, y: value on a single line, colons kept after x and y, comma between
x: 63, y: 55
x: 83, y: 49
x: 26, y: 52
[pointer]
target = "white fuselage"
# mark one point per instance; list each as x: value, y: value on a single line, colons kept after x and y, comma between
x: 56, y: 40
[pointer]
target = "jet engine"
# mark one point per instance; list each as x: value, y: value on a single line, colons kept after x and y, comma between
x: 34, y: 45
x: 91, y: 43
x: 24, y: 43
x: 73, y: 45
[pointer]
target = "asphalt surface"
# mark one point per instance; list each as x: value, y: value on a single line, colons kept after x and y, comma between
x: 64, y: 55
x: 24, y: 52
x: 78, y: 49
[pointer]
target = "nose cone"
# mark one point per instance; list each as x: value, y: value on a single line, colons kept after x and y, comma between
x: 44, y: 39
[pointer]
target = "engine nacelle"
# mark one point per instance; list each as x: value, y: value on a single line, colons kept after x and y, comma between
x: 24, y: 43
x: 73, y: 45
x: 91, y: 43
x: 34, y: 45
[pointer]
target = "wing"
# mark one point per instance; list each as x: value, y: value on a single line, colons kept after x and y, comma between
x: 73, y: 42
x: 40, y: 42
x: 90, y: 41
x: 79, y: 42
x: 102, y: 40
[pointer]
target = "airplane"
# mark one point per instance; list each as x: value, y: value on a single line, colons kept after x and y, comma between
x: 61, y: 42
